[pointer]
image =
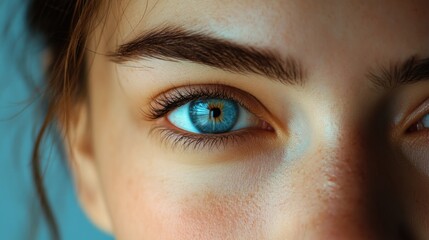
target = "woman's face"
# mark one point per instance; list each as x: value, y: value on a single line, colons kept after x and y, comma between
x: 247, y: 119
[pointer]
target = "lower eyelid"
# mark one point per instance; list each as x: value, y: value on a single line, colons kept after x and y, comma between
x: 415, y: 148
x: 172, y: 138
x: 176, y: 138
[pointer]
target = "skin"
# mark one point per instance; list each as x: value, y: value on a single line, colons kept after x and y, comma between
x: 337, y: 165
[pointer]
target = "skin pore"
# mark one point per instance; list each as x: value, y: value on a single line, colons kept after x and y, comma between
x: 338, y: 160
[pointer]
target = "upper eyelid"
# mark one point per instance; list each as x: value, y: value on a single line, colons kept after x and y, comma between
x: 181, y: 95
x: 415, y: 114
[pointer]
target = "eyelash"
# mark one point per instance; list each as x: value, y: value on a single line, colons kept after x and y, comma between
x: 175, y: 98
x: 200, y: 141
x: 415, y: 128
x: 415, y: 118
x: 170, y: 100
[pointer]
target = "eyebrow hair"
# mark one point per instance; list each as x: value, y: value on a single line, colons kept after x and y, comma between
x: 177, y: 44
x: 410, y: 71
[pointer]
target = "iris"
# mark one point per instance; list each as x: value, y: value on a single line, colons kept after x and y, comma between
x: 213, y: 115
x: 425, y: 121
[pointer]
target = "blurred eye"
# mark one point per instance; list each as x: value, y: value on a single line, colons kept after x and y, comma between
x: 425, y: 121
x: 421, y: 125
x: 212, y: 116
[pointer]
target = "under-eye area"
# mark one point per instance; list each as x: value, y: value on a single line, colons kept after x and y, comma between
x: 416, y: 135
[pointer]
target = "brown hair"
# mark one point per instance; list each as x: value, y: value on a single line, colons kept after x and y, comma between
x: 64, y: 25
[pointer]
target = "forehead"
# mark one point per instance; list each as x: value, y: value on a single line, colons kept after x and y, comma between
x: 281, y: 20
x: 313, y: 31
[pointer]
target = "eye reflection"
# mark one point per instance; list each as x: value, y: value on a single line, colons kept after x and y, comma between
x: 212, y: 116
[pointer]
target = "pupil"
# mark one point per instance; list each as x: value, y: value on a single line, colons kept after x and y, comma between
x: 215, y: 112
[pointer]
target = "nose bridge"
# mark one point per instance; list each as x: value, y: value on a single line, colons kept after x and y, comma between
x: 343, y: 173
x: 341, y: 158
x: 343, y: 198
x: 344, y: 161
x: 344, y: 155
x: 351, y: 184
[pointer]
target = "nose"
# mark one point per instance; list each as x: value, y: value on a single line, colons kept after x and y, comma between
x: 340, y: 190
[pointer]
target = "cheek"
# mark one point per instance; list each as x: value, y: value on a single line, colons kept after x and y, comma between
x: 152, y: 194
x: 149, y: 202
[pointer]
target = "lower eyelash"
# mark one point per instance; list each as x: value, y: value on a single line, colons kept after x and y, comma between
x: 175, y: 138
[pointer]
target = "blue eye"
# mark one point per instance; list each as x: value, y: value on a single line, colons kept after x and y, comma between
x: 212, y: 116
x: 425, y: 121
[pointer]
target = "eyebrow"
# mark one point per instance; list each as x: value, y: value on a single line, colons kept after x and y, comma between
x: 410, y: 71
x: 178, y: 44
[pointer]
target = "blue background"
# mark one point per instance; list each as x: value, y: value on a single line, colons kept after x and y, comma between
x: 20, y: 116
